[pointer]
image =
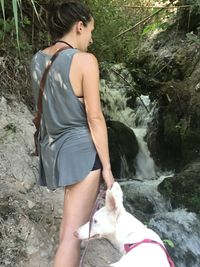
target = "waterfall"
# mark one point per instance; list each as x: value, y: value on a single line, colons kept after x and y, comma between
x: 137, y: 119
x: 178, y: 225
x: 144, y: 164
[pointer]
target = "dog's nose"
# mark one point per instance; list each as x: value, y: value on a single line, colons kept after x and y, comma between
x: 75, y: 234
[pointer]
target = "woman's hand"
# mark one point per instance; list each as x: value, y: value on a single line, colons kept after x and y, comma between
x: 108, y: 177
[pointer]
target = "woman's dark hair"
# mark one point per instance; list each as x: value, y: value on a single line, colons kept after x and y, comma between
x: 62, y: 17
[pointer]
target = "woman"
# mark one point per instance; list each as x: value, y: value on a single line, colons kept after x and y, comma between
x: 73, y: 135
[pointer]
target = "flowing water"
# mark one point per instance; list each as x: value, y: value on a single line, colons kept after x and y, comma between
x: 145, y: 166
x: 178, y: 225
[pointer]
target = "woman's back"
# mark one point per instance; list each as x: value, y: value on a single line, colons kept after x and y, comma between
x: 62, y: 110
x: 64, y: 132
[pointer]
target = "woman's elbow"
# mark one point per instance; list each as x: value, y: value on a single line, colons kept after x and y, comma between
x: 95, y: 118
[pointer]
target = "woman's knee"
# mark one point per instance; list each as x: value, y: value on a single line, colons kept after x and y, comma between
x: 66, y: 242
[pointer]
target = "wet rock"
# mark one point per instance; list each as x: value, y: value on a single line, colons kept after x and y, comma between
x: 123, y: 149
x: 183, y: 189
x: 142, y: 199
x: 174, y: 133
x: 180, y: 228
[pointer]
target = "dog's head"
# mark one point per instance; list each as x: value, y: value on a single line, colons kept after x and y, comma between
x: 104, y: 220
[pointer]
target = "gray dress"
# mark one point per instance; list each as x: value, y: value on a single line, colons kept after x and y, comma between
x: 67, y: 152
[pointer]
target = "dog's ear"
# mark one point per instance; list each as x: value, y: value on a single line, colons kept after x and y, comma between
x: 110, y: 201
x: 117, y: 193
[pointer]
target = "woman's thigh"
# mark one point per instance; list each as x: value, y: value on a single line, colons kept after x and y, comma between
x: 78, y: 202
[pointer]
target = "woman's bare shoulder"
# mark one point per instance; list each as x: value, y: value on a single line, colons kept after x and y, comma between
x: 86, y: 59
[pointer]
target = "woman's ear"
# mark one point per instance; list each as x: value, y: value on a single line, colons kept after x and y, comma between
x: 79, y: 26
x: 110, y: 201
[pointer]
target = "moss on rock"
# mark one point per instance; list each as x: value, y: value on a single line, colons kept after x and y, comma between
x: 184, y: 188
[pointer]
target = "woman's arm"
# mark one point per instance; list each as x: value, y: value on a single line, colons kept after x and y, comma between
x: 96, y: 121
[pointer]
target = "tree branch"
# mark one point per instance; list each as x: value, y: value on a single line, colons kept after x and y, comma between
x: 131, y: 85
x: 165, y: 7
x: 144, y: 20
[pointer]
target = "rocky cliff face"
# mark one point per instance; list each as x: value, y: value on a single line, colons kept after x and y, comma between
x: 28, y: 219
x: 30, y: 215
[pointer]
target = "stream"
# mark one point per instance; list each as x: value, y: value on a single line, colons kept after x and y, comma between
x: 180, y: 228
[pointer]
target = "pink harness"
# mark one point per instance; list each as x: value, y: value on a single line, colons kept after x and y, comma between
x: 129, y: 247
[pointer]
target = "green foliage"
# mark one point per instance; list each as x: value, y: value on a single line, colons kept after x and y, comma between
x: 6, y: 27
x: 155, y: 26
x: 195, y: 4
x: 26, y: 21
x: 192, y: 38
x: 169, y: 243
x: 17, y: 8
x: 161, y: 21
x: 113, y: 17
x: 110, y: 19
x: 8, y: 36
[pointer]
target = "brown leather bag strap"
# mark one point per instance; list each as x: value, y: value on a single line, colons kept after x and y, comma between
x: 37, y: 118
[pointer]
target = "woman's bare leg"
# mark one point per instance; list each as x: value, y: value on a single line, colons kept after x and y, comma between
x: 78, y: 202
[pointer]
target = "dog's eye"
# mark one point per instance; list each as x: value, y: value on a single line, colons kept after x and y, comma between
x: 95, y: 221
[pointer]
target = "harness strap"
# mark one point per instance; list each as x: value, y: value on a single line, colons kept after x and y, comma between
x: 37, y: 118
x: 129, y: 247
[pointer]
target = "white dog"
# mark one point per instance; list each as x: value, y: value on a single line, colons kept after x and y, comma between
x: 142, y: 246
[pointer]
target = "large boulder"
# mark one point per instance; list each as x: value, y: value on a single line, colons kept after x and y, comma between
x: 123, y: 147
x: 183, y: 189
x: 174, y: 133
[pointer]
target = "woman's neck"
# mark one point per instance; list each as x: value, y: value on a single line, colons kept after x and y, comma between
x: 63, y: 42
x: 70, y: 39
